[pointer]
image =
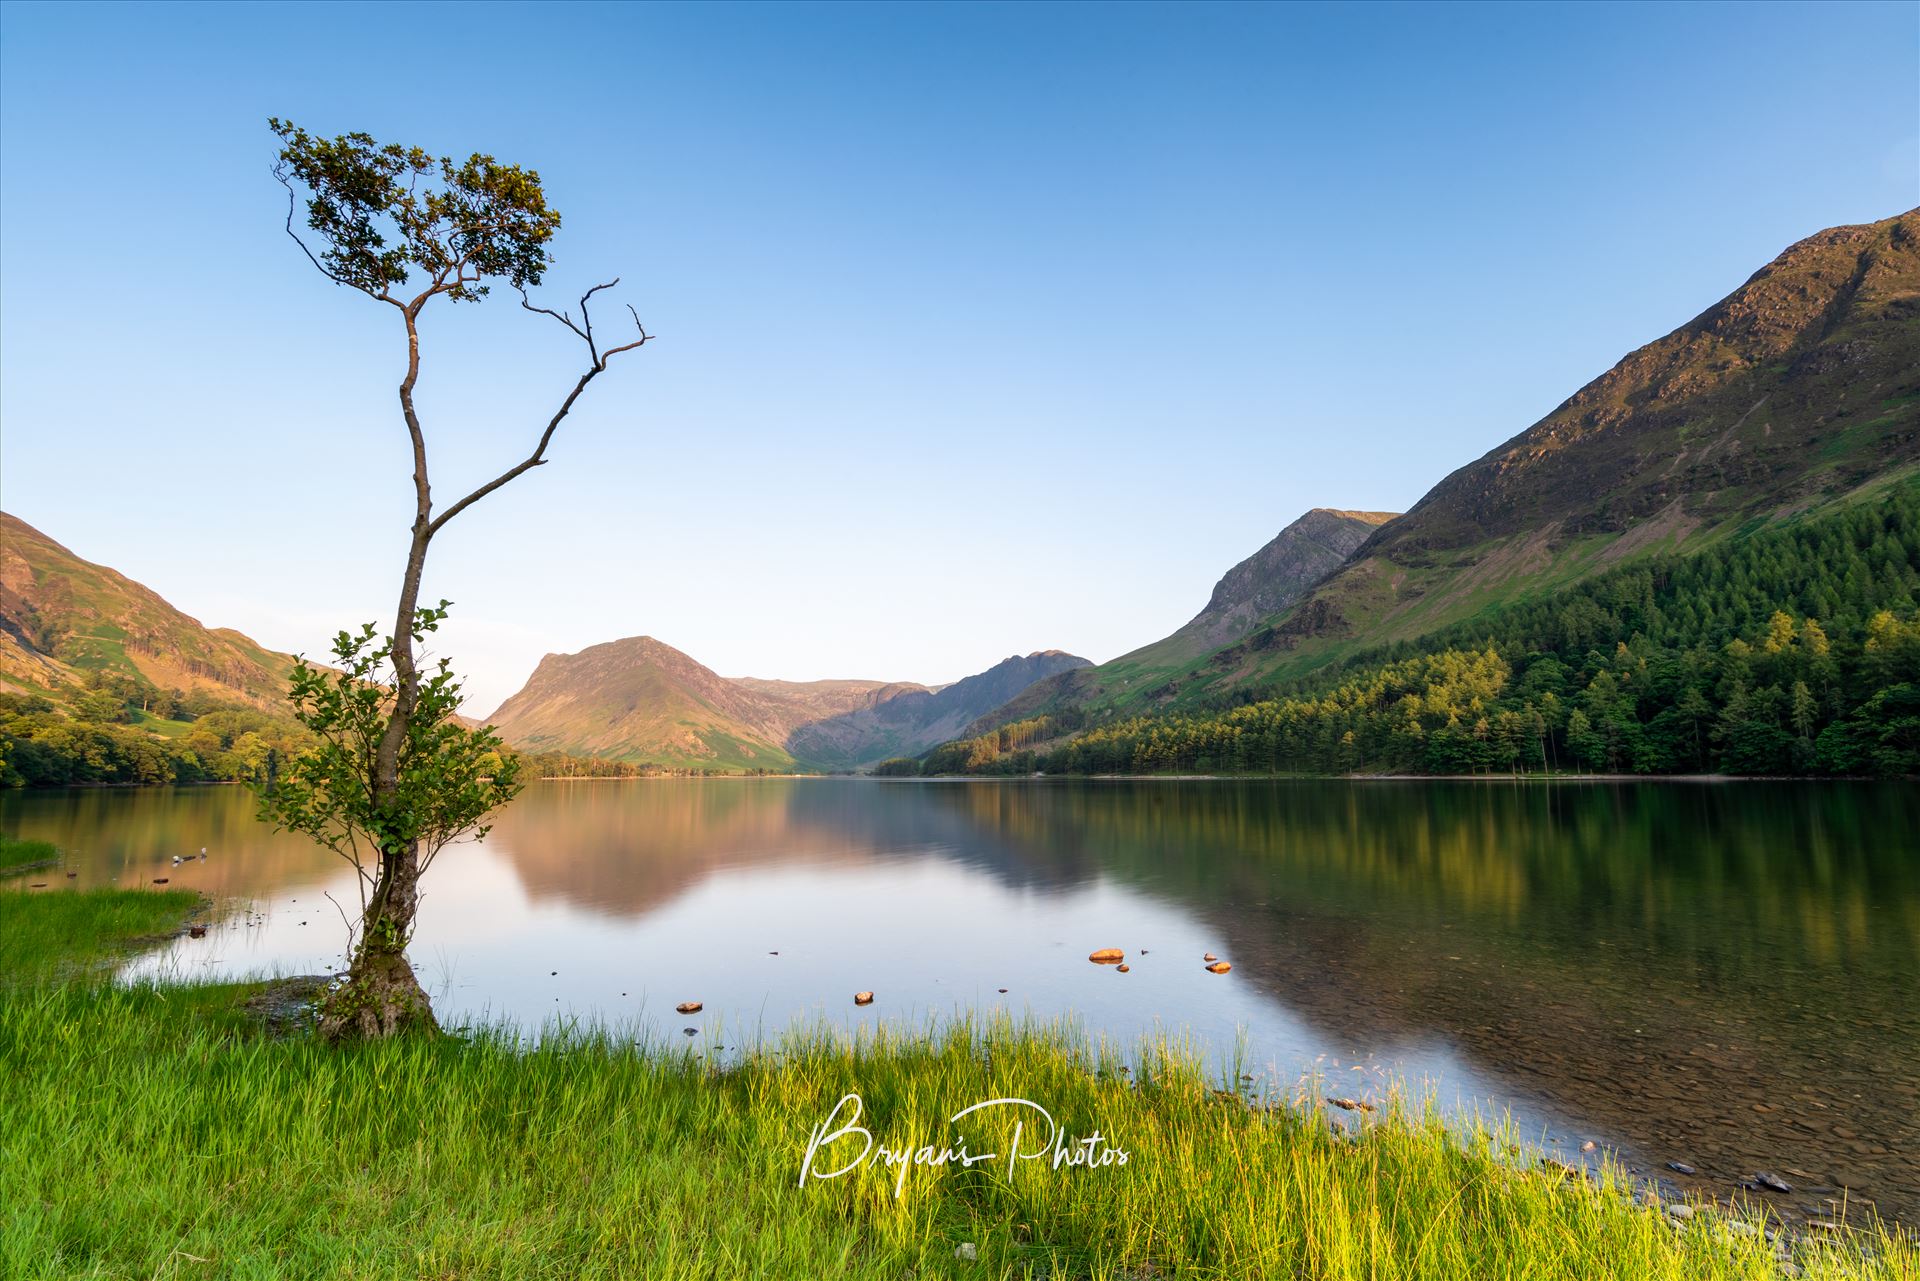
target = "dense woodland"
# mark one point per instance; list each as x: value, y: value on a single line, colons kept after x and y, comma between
x: 1789, y: 651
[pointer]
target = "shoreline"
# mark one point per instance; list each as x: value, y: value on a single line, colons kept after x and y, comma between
x: 498, y: 1140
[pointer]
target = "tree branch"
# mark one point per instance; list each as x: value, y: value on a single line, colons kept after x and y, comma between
x: 584, y: 332
x: 293, y: 205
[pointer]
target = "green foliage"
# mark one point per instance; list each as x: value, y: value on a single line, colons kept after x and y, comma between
x: 384, y: 211
x: 449, y: 778
x: 90, y: 742
x: 1794, y: 650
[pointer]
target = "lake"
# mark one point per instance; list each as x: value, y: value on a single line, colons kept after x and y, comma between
x: 1720, y: 975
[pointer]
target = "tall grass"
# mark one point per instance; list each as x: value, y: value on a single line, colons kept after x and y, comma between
x: 151, y: 1131
x: 17, y: 855
x: 55, y: 933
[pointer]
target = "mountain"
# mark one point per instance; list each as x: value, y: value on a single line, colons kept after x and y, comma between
x: 1291, y: 564
x: 62, y: 617
x: 641, y: 700
x: 910, y: 722
x: 1798, y: 392
x: 1274, y: 577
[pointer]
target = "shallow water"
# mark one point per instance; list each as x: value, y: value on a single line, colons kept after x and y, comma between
x: 1722, y: 975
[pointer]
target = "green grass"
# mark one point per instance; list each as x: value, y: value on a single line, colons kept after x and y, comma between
x: 154, y: 1131
x: 17, y: 855
x: 57, y: 934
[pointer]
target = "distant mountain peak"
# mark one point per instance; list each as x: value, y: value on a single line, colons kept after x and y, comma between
x: 641, y: 699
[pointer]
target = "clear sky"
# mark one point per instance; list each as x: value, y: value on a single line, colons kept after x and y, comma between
x: 982, y: 329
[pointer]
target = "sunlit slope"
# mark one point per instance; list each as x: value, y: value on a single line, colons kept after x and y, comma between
x: 1797, y: 392
x: 61, y: 616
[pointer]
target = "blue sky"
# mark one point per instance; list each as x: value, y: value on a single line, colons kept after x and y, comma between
x: 982, y: 328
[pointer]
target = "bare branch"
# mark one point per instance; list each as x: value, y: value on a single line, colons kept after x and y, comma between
x: 560, y: 316
x: 643, y: 340
x: 535, y: 459
x: 598, y: 365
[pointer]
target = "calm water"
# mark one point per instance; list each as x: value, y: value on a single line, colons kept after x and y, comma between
x: 1718, y: 975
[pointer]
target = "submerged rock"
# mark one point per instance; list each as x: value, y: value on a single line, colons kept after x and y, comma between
x: 1772, y: 1182
x: 1681, y: 1167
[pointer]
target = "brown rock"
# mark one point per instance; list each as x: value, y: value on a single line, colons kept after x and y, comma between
x: 1350, y: 1105
x: 1209, y: 957
x: 1106, y: 956
x: 688, y: 1007
x: 159, y: 880
x: 196, y: 931
x: 1123, y: 968
x: 863, y: 998
x: 1219, y: 967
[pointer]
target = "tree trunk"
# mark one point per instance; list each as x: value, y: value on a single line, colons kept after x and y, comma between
x: 381, y: 996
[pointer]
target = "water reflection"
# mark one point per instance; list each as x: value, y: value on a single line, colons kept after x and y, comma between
x: 1720, y: 975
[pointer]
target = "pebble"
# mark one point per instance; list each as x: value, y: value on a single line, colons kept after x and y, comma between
x: 1106, y: 955
x: 966, y: 1250
x: 863, y: 998
x: 1772, y: 1182
x: 685, y: 1007
x: 1123, y: 968
x: 1681, y: 1167
x: 1680, y: 1210
x: 1218, y: 967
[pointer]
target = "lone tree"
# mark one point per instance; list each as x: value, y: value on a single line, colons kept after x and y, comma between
x: 394, y: 778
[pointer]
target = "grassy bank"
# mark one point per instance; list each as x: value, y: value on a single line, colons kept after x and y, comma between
x: 155, y: 1131
x: 17, y: 855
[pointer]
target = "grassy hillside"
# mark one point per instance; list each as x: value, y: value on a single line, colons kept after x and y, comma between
x: 1798, y: 393
x: 102, y: 681
x: 62, y: 617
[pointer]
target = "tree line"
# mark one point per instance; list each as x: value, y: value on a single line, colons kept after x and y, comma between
x: 1789, y: 651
